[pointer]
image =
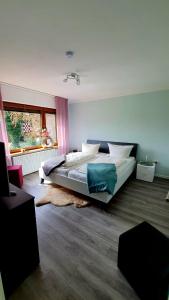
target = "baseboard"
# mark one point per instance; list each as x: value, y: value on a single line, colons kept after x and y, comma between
x: 162, y: 176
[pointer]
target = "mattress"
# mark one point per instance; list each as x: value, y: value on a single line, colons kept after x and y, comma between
x: 61, y: 171
x: 128, y: 164
x: 64, y: 171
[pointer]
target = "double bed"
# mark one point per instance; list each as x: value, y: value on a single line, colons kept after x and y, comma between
x: 74, y: 176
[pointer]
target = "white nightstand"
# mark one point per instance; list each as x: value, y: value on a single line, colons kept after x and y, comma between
x: 145, y: 171
x: 167, y: 197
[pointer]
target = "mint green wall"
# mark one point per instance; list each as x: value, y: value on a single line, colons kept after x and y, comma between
x: 143, y: 119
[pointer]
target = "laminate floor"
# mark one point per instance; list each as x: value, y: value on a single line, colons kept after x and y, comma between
x: 78, y: 247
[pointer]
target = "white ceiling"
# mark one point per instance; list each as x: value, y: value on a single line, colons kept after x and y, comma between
x: 121, y: 46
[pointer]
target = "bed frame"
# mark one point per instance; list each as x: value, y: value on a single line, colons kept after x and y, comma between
x: 81, y: 187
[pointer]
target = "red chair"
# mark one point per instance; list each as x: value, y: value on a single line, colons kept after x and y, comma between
x: 15, y: 175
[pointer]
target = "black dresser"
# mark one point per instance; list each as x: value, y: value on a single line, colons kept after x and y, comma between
x: 19, y: 253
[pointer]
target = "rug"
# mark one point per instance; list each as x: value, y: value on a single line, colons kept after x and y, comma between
x: 60, y: 196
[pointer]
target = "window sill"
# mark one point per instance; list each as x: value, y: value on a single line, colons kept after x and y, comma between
x: 32, y: 151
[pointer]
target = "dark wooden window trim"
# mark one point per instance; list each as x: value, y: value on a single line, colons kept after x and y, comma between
x: 13, y: 106
x: 30, y: 108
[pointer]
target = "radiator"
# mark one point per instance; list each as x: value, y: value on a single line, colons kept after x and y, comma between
x: 31, y: 161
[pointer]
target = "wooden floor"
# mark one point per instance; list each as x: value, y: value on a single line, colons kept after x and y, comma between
x: 78, y: 247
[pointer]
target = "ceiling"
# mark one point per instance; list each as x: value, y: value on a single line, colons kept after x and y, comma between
x: 121, y: 46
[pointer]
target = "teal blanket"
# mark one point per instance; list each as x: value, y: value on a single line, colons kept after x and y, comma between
x: 101, y: 177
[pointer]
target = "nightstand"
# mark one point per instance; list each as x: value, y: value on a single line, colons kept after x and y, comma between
x: 145, y: 171
x: 73, y: 151
x: 19, y: 254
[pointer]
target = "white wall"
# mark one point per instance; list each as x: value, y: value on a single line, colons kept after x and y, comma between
x: 17, y: 94
x: 142, y: 119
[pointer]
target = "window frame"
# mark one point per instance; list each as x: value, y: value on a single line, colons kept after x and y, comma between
x: 20, y: 107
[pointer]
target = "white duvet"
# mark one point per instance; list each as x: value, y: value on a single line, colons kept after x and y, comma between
x: 103, y: 159
x: 73, y: 159
x: 80, y: 160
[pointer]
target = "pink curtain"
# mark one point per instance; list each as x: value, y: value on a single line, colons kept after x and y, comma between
x: 3, y: 132
x: 62, y: 124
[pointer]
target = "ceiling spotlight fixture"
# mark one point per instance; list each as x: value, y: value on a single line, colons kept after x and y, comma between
x: 69, y: 53
x: 73, y: 76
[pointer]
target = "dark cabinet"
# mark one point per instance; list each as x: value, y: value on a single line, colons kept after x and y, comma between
x: 19, y: 254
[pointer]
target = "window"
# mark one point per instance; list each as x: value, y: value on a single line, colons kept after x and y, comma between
x: 26, y: 125
x: 24, y: 129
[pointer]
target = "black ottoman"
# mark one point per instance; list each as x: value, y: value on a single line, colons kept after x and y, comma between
x: 143, y: 258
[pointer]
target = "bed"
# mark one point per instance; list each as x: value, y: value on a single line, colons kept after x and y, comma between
x: 74, y: 177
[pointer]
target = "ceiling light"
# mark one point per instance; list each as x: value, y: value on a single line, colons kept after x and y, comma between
x: 69, y: 53
x: 72, y: 76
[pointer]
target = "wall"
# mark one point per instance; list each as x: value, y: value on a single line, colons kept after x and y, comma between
x: 16, y: 94
x: 143, y: 119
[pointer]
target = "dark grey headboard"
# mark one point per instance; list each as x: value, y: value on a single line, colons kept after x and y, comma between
x: 105, y: 149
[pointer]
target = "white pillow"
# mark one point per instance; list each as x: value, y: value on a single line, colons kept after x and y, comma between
x: 119, y: 151
x: 90, y: 148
